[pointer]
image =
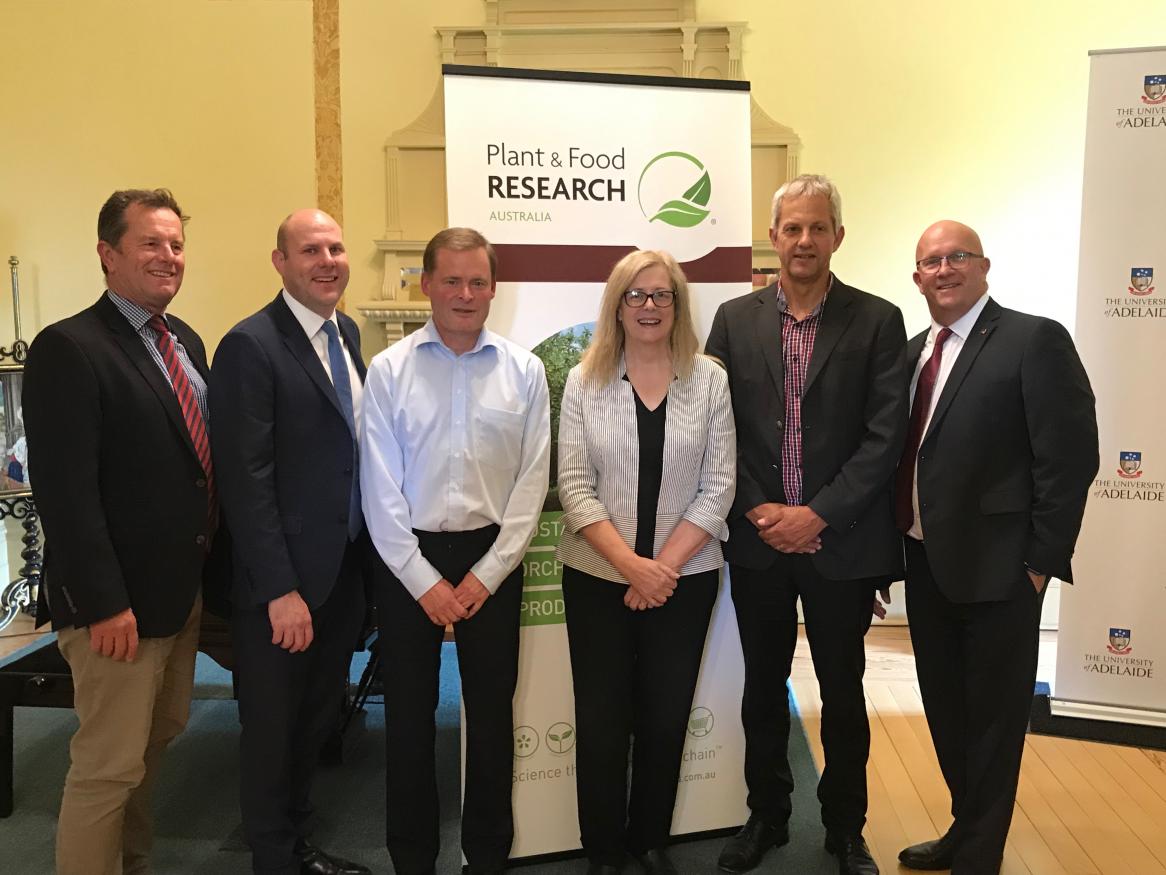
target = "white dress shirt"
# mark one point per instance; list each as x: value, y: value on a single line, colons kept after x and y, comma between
x: 960, y: 329
x: 313, y: 325
x: 454, y: 443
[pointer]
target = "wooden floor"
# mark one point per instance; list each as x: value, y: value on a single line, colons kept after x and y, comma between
x: 1082, y: 808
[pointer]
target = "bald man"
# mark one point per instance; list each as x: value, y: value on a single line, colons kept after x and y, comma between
x: 286, y: 393
x: 989, y: 495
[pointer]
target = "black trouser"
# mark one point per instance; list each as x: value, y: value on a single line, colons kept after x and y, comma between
x: 977, y: 666
x: 487, y: 646
x: 288, y: 705
x: 837, y: 614
x: 634, y: 674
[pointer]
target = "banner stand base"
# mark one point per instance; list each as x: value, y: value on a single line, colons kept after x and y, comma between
x: 1089, y: 722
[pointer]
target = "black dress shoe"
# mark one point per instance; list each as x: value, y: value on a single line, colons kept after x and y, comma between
x: 314, y: 861
x: 853, y: 855
x: 744, y: 850
x: 656, y: 862
x: 934, y: 855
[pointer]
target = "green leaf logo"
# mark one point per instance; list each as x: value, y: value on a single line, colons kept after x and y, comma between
x: 688, y: 210
x: 680, y: 214
x: 561, y: 737
x: 699, y: 193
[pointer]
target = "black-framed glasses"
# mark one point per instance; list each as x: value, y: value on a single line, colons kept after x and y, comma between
x: 957, y: 261
x: 636, y: 298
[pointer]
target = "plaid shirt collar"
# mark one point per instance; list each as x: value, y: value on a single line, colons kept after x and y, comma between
x: 817, y: 311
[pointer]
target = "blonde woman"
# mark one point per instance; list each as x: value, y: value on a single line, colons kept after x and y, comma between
x: 647, y: 470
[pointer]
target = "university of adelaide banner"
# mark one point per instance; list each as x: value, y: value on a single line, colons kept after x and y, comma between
x: 565, y: 173
x: 1111, y: 650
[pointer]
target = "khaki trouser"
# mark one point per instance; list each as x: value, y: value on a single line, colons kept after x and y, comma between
x: 129, y: 712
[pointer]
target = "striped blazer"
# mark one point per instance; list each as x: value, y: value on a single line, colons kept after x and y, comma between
x: 599, y: 462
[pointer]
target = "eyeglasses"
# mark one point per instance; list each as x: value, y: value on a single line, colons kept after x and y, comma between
x: 956, y: 261
x: 636, y: 298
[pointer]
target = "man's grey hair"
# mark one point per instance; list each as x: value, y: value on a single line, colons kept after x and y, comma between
x: 808, y: 185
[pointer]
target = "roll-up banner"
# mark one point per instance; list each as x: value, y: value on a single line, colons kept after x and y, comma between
x: 565, y: 173
x: 1111, y: 650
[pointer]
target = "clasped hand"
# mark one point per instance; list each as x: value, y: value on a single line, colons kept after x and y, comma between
x: 444, y: 603
x: 788, y: 528
x: 650, y: 583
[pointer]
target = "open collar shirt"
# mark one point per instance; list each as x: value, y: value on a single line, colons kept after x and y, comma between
x: 454, y: 443
x: 797, y: 345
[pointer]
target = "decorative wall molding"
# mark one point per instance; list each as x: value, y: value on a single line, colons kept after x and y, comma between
x: 326, y: 71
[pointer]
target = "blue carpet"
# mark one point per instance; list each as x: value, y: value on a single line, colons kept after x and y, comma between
x: 197, y: 825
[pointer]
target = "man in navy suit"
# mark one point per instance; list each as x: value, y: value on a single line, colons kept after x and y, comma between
x: 286, y: 398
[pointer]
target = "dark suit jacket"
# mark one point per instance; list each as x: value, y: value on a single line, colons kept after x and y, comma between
x: 854, y: 423
x: 1008, y: 456
x: 284, y: 456
x: 120, y: 491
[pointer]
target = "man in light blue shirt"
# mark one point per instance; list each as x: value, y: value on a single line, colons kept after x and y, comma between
x: 454, y: 466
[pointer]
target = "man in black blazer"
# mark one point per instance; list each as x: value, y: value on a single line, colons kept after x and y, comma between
x: 990, y: 493
x: 115, y: 408
x: 817, y: 372
x: 285, y: 399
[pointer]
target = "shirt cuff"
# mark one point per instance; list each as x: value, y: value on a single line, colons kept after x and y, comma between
x: 490, y: 570
x: 712, y: 524
x: 589, y: 511
x: 418, y: 575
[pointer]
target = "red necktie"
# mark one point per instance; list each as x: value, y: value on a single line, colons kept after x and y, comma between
x: 905, y: 476
x: 189, y: 404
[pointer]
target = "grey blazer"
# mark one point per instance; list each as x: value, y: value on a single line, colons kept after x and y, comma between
x: 599, y: 458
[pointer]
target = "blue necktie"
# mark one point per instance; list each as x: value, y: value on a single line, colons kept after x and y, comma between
x: 344, y: 393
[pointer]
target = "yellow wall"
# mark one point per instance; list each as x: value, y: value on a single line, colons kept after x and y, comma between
x: 390, y: 67
x: 928, y: 110
x: 919, y: 110
x: 211, y: 99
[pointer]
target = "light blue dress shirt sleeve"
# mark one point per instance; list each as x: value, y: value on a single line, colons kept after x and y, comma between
x: 382, y: 477
x: 520, y: 518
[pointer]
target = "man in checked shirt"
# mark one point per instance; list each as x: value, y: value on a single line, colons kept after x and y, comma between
x: 818, y: 374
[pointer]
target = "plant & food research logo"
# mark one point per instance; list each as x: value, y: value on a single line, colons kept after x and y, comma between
x: 661, y: 179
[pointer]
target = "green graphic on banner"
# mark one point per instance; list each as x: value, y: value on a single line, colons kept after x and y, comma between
x: 550, y: 527
x: 542, y: 574
x: 541, y: 569
x: 688, y: 210
x: 543, y: 607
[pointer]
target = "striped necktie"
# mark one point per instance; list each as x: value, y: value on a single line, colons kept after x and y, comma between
x: 180, y: 382
x: 905, y: 475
